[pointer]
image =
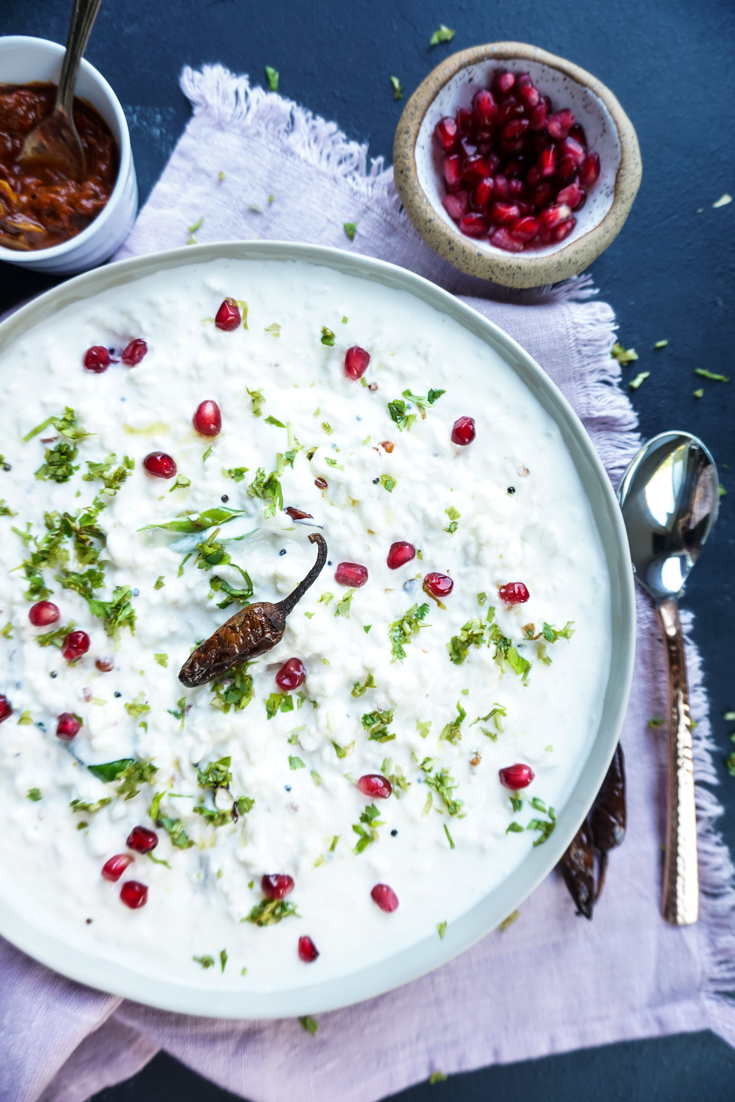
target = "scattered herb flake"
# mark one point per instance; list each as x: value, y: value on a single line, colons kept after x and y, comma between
x: 349, y: 228
x: 34, y: 794
x: 270, y: 911
x: 206, y: 962
x: 343, y: 605
x: 660, y: 344
x: 397, y: 88
x: 437, y: 1076
x: 310, y: 1024
x: 449, y: 837
x: 441, y: 929
x: 295, y: 763
x: 509, y: 921
x: 377, y: 724
x: 401, y: 632
x: 367, y: 828
x: 273, y: 328
x: 710, y: 375
x: 272, y: 76
x: 454, y: 516
x: 442, y: 35
x: 327, y: 336
x: 452, y: 731
x: 722, y: 201
x: 423, y: 727
x: 159, y: 583
x: 640, y: 377
x: 388, y: 482
x: 360, y: 690
x: 623, y: 355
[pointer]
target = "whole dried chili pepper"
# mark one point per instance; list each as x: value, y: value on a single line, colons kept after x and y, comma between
x: 250, y: 632
x: 578, y: 870
x: 607, y: 818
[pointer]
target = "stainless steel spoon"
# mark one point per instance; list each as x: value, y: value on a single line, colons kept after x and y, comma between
x: 669, y: 496
x: 55, y: 141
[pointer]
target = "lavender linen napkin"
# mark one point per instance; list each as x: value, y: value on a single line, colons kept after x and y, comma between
x: 549, y: 983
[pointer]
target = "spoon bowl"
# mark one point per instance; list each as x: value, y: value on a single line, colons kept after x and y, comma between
x: 669, y: 497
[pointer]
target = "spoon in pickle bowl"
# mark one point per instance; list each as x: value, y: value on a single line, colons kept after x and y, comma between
x: 253, y: 630
x: 55, y: 142
x: 669, y: 497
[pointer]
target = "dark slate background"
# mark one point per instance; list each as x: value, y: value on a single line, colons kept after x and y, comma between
x: 669, y: 276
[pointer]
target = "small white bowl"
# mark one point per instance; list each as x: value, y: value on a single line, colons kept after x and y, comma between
x: 609, y: 132
x: 23, y: 60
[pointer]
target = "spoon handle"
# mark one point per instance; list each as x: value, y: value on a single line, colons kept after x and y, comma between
x: 83, y: 16
x: 680, y: 904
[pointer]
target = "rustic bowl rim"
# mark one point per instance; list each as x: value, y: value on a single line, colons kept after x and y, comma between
x: 516, y: 269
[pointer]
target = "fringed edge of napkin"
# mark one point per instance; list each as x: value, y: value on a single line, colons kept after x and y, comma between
x: 229, y: 102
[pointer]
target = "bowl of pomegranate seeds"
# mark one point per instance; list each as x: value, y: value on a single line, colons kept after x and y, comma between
x: 515, y: 165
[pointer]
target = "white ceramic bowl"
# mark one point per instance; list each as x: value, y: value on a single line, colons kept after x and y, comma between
x: 23, y: 60
x: 609, y: 132
x: 38, y: 935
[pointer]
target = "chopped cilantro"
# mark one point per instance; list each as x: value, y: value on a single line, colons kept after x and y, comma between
x: 59, y: 463
x: 234, y: 691
x: 343, y: 605
x: 327, y: 336
x: 55, y: 638
x: 367, y: 828
x: 181, y: 483
x: 452, y: 731
x: 326, y: 597
x: 516, y: 803
x: 449, y: 837
x: 388, y: 482
x: 111, y: 479
x: 198, y: 522
x: 472, y: 634
x: 137, y: 707
x: 442, y: 35
x: 315, y: 777
x: 274, y: 328
x: 258, y: 401
x: 295, y: 763
x: 514, y: 828
x: 699, y: 393
x: 270, y: 911
x: 5, y: 510
x: 271, y: 420
x: 454, y: 516
x: 179, y: 712
x: 360, y: 690
x: 660, y: 344
x: 34, y: 794
x: 206, y: 962
x: 441, y: 929
x: 395, y: 776
x: 423, y: 726
x: 401, y: 632
x: 117, y: 613
x: 310, y: 1024
x: 267, y: 489
x: 481, y: 598
x: 422, y: 402
x: 508, y: 921
x: 90, y: 808
x: 366, y: 629
x: 397, y: 88
x: 444, y: 784
x: 623, y: 355
x: 176, y: 831
x: 110, y: 770
x: 66, y: 425
x: 398, y: 410
x: 551, y: 634
x: 272, y: 76
x: 546, y: 826
x: 437, y: 1076
x: 7, y: 631
x: 343, y: 751
x: 278, y: 702
x: 334, y: 463
x: 25, y: 718
x: 135, y: 774
x: 496, y: 714
x: 349, y: 228
x: 215, y: 775
x: 377, y: 724
x: 223, y: 958
x: 709, y: 375
x: 162, y: 660
x: 159, y: 583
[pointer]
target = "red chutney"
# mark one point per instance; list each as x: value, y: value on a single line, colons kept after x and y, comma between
x: 43, y: 207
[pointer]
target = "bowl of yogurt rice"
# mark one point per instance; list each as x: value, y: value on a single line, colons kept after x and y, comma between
x: 348, y: 805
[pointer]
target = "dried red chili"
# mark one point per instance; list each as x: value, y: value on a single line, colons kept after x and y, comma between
x: 42, y: 206
x: 250, y: 632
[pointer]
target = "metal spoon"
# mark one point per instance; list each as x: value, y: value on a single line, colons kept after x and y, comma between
x: 55, y: 141
x: 669, y: 496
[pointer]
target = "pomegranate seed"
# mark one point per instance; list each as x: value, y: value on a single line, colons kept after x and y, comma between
x: 456, y: 205
x: 160, y: 465
x: 570, y: 196
x: 563, y: 230
x: 351, y: 573
x: 75, y: 645
x: 463, y: 431
x: 374, y: 786
x: 321, y: 483
x: 482, y: 193
x: 113, y: 869
x: 514, y: 593
x: 501, y: 187
x: 43, y: 614
x: 276, y: 885
x: 207, y: 420
x: 134, y: 352
x: 142, y: 840
x: 5, y: 707
x: 105, y: 665
x: 547, y: 161
x: 509, y: 145
x: 504, y: 213
x: 504, y: 239
x: 67, y: 727
x: 553, y: 215
x: 567, y: 169
x: 445, y: 134
x: 577, y: 132
x: 537, y: 120
x: 291, y: 675
x: 525, y: 229
x: 356, y: 362
x: 473, y: 225
x: 385, y: 897
x: 515, y: 129
x: 468, y: 148
x: 438, y: 585
x: 511, y: 109
x: 134, y: 894
x: 516, y: 187
x: 527, y: 90
x: 297, y: 514
x: 228, y: 317
x: 475, y: 169
x: 451, y: 171
x: 464, y: 120
x: 308, y: 951
x: 400, y: 553
x: 97, y: 359
x: 516, y: 777
x: 570, y: 148
x: 484, y: 109
x: 388, y: 445
x: 560, y: 124
x: 502, y: 83
x: 589, y: 173
x: 543, y: 194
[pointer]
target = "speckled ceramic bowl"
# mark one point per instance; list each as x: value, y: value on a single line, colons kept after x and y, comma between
x: 609, y: 132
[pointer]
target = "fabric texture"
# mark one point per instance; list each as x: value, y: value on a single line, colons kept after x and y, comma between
x: 549, y: 983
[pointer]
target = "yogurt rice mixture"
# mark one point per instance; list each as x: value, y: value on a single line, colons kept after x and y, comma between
x: 359, y: 786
